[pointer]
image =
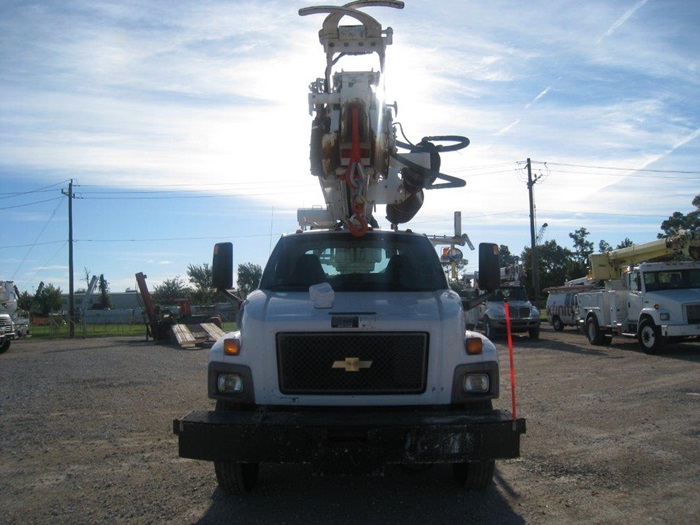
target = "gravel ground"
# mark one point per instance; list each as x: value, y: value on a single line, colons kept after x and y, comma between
x: 86, y: 437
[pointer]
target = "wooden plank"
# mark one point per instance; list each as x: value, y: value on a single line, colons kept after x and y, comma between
x: 183, y: 335
x: 214, y: 331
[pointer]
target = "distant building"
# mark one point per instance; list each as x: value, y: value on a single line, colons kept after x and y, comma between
x: 120, y: 300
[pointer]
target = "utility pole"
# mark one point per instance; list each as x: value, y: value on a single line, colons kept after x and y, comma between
x: 71, y: 296
x: 533, y: 240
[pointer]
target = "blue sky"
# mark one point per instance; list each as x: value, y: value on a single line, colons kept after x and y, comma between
x: 186, y: 123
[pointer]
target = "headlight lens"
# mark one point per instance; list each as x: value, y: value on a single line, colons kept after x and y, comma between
x: 476, y: 383
x: 229, y: 384
x: 665, y: 316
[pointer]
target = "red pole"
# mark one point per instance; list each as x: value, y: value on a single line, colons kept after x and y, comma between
x: 506, y: 307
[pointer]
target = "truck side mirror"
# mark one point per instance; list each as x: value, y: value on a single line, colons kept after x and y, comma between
x: 222, y: 266
x: 489, y: 267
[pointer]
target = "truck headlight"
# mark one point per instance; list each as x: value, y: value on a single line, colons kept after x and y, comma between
x: 229, y: 383
x: 476, y: 383
x: 665, y: 316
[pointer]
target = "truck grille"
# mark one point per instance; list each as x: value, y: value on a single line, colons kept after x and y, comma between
x: 692, y: 311
x: 352, y: 363
x: 520, y: 312
x: 5, y: 325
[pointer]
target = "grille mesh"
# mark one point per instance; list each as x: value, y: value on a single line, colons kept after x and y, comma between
x: 398, y: 363
x: 693, y: 313
x: 520, y: 312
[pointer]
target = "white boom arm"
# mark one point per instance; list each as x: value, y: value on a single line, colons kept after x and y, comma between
x: 353, y: 139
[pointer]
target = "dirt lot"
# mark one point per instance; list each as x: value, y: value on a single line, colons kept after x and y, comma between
x: 85, y: 437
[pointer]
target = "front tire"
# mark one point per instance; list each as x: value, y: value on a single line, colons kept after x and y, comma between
x: 5, y: 346
x: 649, y: 337
x: 557, y: 324
x: 534, y: 333
x: 475, y: 475
x: 234, y: 477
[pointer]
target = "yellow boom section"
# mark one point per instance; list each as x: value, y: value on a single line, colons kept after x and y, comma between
x: 610, y: 265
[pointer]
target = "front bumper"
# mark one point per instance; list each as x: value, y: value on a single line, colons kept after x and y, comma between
x: 680, y: 330
x: 516, y: 325
x: 332, y: 437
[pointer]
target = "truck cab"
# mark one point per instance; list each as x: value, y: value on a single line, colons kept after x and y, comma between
x: 351, y: 347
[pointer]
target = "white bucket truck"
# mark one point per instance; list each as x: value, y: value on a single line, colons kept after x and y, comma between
x: 654, y: 302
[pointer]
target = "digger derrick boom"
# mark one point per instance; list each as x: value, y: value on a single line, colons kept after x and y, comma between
x: 353, y: 146
x: 611, y: 265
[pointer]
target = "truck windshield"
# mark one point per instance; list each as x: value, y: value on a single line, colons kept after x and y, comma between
x: 672, y: 280
x: 379, y: 261
x: 513, y: 294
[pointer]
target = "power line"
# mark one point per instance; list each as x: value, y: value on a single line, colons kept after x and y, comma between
x: 618, y: 168
x: 38, y: 190
x: 30, y: 203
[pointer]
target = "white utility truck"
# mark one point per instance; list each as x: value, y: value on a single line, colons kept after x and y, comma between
x: 652, y: 301
x: 524, y: 316
x: 353, y: 353
x: 12, y: 323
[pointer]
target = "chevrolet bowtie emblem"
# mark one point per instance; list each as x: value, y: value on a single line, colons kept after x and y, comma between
x: 352, y: 364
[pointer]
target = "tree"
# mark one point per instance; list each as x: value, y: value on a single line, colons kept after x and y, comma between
x: 105, y: 300
x: 25, y: 301
x: 201, y: 278
x: 625, y: 244
x: 552, y: 266
x: 578, y: 264
x: 679, y: 221
x: 604, y: 247
x: 170, y: 290
x: 249, y: 275
x: 48, y: 300
x: 507, y: 258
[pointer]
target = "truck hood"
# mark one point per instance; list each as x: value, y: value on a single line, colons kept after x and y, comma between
x: 688, y: 295
x: 353, y: 309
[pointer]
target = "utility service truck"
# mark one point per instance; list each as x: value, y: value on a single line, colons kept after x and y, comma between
x: 13, y: 324
x: 353, y: 353
x: 524, y: 316
x: 655, y: 302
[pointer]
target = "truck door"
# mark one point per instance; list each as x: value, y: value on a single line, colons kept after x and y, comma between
x: 635, y: 297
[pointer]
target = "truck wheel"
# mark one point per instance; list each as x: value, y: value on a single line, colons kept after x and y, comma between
x: 595, y: 336
x: 475, y: 475
x: 5, y: 345
x: 489, y: 332
x: 557, y: 324
x: 534, y: 333
x: 649, y: 337
x: 234, y: 478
